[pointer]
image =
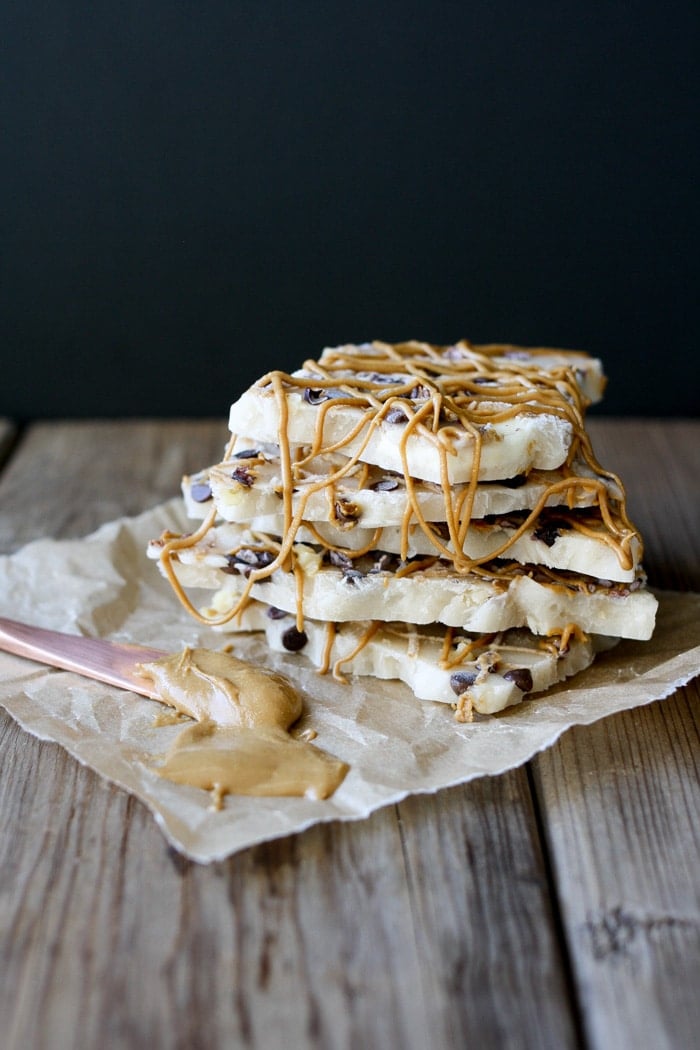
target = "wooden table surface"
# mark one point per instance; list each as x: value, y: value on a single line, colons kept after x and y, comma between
x: 555, y: 906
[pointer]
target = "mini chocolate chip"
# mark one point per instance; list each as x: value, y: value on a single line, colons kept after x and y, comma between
x: 200, y: 491
x: 247, y: 556
x: 521, y: 677
x: 247, y: 453
x: 385, y: 485
x: 235, y: 565
x: 294, y: 640
x: 396, y: 415
x: 232, y: 566
x: 273, y: 613
x: 460, y: 681
x: 345, y: 511
x: 265, y: 558
x: 315, y: 397
x: 243, y: 476
x: 377, y: 377
x: 246, y: 560
x: 340, y: 560
x: 352, y: 576
x: 548, y: 531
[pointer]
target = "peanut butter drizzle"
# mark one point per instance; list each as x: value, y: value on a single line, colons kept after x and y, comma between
x: 563, y: 637
x: 369, y: 633
x: 466, y: 389
x: 240, y: 742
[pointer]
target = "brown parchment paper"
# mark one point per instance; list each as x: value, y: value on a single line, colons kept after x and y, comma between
x: 103, y: 585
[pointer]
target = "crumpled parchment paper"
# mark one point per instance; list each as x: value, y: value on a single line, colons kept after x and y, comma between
x: 103, y: 585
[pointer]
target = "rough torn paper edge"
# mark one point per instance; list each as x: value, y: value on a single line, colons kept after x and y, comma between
x: 103, y: 585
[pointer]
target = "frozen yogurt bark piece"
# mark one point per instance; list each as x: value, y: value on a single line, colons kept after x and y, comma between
x: 482, y: 358
x: 441, y: 414
x: 485, y: 673
x: 493, y: 598
x: 252, y: 485
x: 575, y: 542
x: 508, y: 447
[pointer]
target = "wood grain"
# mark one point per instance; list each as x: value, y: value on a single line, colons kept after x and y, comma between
x: 472, y: 857
x: 659, y: 462
x: 620, y: 799
x: 66, y: 479
x: 428, y: 925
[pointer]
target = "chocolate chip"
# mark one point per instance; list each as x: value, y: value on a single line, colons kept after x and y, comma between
x: 247, y: 453
x: 377, y: 377
x: 548, y: 531
x: 521, y: 677
x: 294, y: 640
x: 460, y: 681
x: 246, y: 560
x: 243, y: 476
x: 352, y: 576
x: 200, y: 491
x: 396, y: 415
x: 340, y: 560
x: 345, y: 512
x: 315, y: 397
x: 265, y: 558
x: 273, y: 613
x: 385, y: 485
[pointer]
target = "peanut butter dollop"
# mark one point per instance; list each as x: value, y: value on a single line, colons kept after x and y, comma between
x: 239, y: 743
x: 216, y: 686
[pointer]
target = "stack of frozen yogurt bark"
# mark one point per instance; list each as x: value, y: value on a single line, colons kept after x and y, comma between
x: 430, y: 514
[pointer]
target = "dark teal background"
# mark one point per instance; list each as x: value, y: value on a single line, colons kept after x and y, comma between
x: 194, y: 193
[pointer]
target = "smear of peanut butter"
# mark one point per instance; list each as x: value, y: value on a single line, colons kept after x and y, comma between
x: 210, y: 685
x: 239, y: 743
x: 242, y: 761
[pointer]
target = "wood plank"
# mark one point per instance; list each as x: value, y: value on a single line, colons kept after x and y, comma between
x: 65, y: 480
x: 619, y: 800
x: 419, y: 927
x: 480, y: 904
x: 659, y: 463
x: 295, y: 943
x: 620, y: 804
